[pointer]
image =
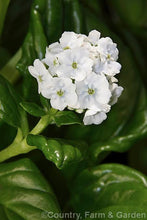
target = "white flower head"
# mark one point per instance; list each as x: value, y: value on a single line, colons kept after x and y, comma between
x: 40, y: 72
x: 78, y: 73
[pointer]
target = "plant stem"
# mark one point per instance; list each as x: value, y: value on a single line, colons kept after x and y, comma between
x: 19, y: 145
x: 42, y: 124
x: 15, y: 149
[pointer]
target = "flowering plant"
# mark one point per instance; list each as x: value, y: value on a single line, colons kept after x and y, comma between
x: 57, y: 109
x: 78, y: 73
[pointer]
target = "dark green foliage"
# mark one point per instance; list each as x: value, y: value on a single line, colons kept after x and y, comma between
x: 22, y: 189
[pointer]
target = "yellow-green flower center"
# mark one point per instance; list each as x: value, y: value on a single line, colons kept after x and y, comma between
x: 40, y: 78
x: 91, y: 91
x: 60, y: 93
x: 74, y: 65
x: 55, y: 62
x: 66, y: 48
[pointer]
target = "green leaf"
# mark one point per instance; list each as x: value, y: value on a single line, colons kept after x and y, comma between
x: 66, y: 118
x: 10, y: 67
x: 136, y: 128
x: 9, y: 104
x: 73, y: 12
x: 53, y: 20
x: 109, y: 185
x: 60, y: 152
x: 24, y: 193
x: 32, y: 109
x: 28, y: 54
x: 39, y: 38
x: 3, y: 10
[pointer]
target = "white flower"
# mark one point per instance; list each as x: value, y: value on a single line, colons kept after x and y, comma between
x: 53, y: 63
x: 94, y: 93
x: 107, y: 49
x: 78, y: 73
x: 40, y: 73
x: 54, y: 48
x: 94, y: 117
x: 70, y: 40
x: 94, y: 37
x: 74, y: 64
x: 116, y: 92
x: 61, y: 92
x: 111, y: 68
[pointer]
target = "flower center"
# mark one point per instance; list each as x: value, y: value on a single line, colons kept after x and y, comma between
x: 91, y: 91
x: 55, y: 62
x: 108, y: 56
x: 40, y: 78
x: 66, y: 48
x: 60, y: 93
x: 74, y: 65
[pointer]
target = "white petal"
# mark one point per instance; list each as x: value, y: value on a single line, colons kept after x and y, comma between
x: 93, y: 117
x: 54, y: 48
x: 116, y: 92
x: 58, y: 103
x: 33, y: 71
x: 112, y: 68
x: 94, y: 37
x: 71, y: 40
x: 39, y: 66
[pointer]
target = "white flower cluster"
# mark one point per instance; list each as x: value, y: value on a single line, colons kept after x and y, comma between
x: 78, y: 73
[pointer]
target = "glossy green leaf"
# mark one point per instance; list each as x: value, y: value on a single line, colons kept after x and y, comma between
x: 39, y: 38
x: 73, y: 16
x: 53, y: 20
x: 110, y: 185
x: 33, y: 109
x: 28, y: 54
x: 58, y: 151
x: 3, y: 9
x: 136, y: 128
x: 66, y: 118
x: 39, y: 5
x: 27, y: 58
x: 33, y: 47
x: 24, y: 193
x: 9, y: 104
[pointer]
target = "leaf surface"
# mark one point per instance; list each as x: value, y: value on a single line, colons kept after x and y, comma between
x: 110, y: 185
x: 24, y: 193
